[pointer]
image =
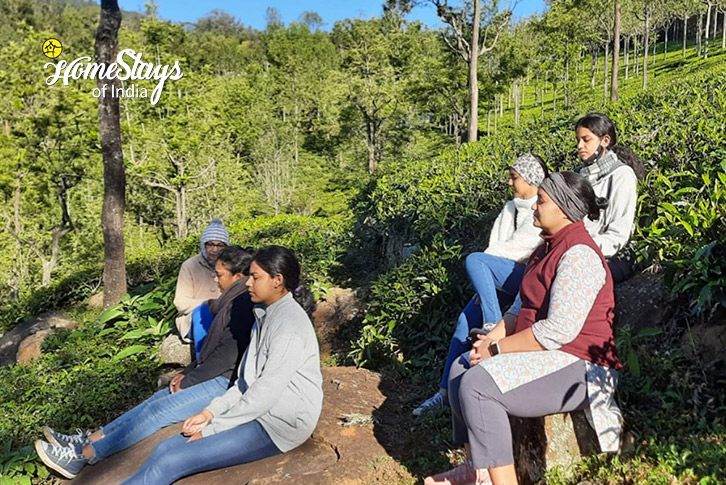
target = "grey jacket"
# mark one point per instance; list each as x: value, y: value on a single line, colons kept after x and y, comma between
x: 280, y: 384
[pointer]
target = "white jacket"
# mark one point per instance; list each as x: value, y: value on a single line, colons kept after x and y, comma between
x: 514, y: 235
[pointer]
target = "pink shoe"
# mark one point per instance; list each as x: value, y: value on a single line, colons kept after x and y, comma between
x: 461, y: 475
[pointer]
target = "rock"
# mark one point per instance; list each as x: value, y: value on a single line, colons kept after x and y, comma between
x: 643, y: 301
x: 29, y: 348
x: 335, y: 454
x: 707, y: 341
x: 333, y: 312
x: 10, y: 342
x: 557, y: 440
x: 174, y: 351
x: 95, y: 301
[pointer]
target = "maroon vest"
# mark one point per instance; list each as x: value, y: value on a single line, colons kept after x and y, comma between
x: 595, y: 342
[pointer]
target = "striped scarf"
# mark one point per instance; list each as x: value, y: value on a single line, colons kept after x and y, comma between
x: 601, y: 168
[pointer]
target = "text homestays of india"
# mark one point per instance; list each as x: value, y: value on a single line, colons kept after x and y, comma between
x: 82, y: 69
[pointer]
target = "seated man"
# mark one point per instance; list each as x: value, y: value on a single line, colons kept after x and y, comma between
x: 196, y: 285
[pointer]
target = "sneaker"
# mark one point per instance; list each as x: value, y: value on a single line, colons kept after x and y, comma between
x: 62, y: 459
x: 436, y: 401
x: 461, y: 475
x: 63, y: 440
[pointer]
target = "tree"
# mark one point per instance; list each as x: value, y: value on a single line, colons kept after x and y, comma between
x: 375, y: 56
x: 464, y: 39
x: 616, y: 53
x: 114, y: 173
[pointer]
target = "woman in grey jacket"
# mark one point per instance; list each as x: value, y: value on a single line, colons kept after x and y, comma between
x: 613, y: 171
x: 277, y: 401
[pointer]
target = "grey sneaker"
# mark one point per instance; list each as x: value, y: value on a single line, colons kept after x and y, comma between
x: 436, y: 401
x: 64, y: 460
x: 63, y: 440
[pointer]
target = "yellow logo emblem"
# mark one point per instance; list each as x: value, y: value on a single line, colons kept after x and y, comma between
x: 52, y: 48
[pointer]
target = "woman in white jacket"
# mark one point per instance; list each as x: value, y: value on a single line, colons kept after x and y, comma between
x: 500, y: 267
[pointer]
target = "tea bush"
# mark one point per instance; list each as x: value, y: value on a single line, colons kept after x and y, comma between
x: 679, y: 132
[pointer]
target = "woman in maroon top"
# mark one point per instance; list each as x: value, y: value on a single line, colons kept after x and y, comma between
x: 552, y: 352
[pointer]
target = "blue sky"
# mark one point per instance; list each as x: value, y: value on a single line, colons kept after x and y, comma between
x: 252, y: 13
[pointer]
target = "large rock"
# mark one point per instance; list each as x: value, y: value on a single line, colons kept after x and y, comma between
x: 335, y: 454
x: 643, y: 301
x: 335, y: 311
x: 95, y: 301
x: 29, y: 348
x: 174, y: 351
x: 542, y: 443
x: 10, y: 342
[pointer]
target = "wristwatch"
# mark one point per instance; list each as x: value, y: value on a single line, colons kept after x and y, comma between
x: 494, y: 348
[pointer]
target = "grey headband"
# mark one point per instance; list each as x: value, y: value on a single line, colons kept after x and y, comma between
x: 529, y: 168
x: 566, y: 199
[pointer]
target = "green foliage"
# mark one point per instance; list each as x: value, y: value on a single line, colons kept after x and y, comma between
x: 19, y: 467
x: 411, y: 308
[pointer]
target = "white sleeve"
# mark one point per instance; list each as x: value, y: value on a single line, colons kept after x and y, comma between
x: 520, y: 245
x: 580, y: 277
x: 503, y: 226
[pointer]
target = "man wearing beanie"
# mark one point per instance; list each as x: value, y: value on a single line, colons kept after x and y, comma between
x: 196, y: 283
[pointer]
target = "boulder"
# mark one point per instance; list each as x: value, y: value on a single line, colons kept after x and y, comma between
x: 342, y: 451
x: 335, y: 311
x: 95, y: 301
x: 29, y: 348
x: 558, y: 440
x: 643, y: 301
x: 174, y: 351
x: 10, y: 342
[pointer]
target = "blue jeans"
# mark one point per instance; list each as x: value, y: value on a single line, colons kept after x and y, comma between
x: 175, y: 458
x: 160, y: 410
x: 488, y: 274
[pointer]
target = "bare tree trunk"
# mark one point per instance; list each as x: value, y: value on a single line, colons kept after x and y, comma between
x: 665, y: 46
x: 473, y: 75
x: 515, y: 90
x: 593, y: 62
x: 645, y: 50
x: 495, y: 114
x: 114, y: 173
x: 723, y: 30
x: 616, y: 54
x: 685, y: 34
x: 627, y: 57
x: 554, y: 97
x: 699, y: 38
x: 605, y: 72
x: 489, y: 122
x: 501, y: 105
x: 708, y: 30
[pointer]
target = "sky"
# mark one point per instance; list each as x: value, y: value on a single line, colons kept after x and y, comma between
x: 252, y: 13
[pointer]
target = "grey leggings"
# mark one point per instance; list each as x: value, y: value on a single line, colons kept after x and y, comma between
x: 480, y: 411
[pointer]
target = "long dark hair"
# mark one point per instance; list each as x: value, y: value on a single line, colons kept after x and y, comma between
x: 601, y: 125
x: 582, y: 188
x: 279, y: 260
x: 236, y: 259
